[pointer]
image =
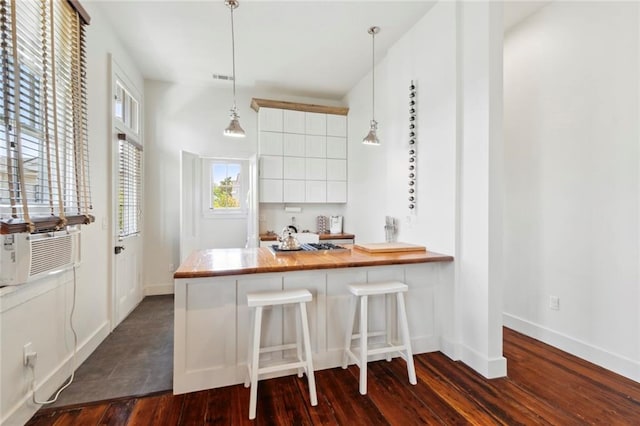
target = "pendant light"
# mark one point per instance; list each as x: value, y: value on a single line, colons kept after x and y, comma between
x: 372, y: 137
x: 234, y: 129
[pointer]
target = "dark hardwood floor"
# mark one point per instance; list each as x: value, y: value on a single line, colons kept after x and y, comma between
x: 544, y: 386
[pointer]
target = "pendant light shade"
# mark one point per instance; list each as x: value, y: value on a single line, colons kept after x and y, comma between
x: 372, y: 136
x: 233, y: 129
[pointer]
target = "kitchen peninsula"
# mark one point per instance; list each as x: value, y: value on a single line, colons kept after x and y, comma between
x: 212, y: 318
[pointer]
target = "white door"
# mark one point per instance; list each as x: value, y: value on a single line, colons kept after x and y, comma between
x: 252, y: 205
x: 127, y: 196
x: 190, y: 203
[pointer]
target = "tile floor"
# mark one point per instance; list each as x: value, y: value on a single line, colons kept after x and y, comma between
x: 136, y: 359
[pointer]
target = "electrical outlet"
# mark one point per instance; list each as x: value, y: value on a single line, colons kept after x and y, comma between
x: 554, y: 303
x: 29, y: 356
x: 172, y: 267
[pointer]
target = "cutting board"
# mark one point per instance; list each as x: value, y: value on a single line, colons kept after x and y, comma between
x: 388, y: 247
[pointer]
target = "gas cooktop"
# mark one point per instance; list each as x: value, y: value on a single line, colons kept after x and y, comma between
x: 310, y: 248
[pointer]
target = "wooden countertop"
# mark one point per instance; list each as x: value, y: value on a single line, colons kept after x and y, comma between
x: 240, y: 261
x: 343, y: 236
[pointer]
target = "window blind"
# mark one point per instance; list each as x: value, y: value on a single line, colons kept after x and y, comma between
x: 130, y: 186
x: 44, y: 153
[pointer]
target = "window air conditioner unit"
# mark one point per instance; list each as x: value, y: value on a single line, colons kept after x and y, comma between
x: 28, y: 257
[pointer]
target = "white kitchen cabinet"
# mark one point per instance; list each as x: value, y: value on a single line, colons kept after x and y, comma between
x: 294, y: 191
x: 336, y: 147
x: 270, y: 119
x: 337, y: 125
x: 271, y: 167
x: 336, y: 191
x: 294, y: 121
x: 316, y: 169
x: 212, y: 321
x: 271, y: 190
x: 316, y: 191
x: 315, y: 146
x: 315, y: 124
x: 336, y: 169
x: 294, y: 168
x: 293, y: 145
x: 312, y: 147
x: 271, y: 143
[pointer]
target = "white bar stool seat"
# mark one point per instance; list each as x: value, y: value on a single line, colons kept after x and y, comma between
x: 362, y: 292
x: 258, y: 301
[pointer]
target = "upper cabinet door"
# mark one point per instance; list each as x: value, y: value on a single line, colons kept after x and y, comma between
x: 337, y: 169
x: 316, y: 146
x: 337, y: 125
x: 293, y: 145
x: 270, y: 119
x: 270, y: 143
x: 316, y: 123
x: 294, y: 168
x: 316, y: 169
x: 336, y: 147
x: 293, y: 121
x: 271, y: 167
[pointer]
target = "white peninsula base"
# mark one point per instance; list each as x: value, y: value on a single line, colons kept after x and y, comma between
x: 212, y: 318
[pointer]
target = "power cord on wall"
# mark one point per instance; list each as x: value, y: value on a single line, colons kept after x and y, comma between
x: 73, y: 358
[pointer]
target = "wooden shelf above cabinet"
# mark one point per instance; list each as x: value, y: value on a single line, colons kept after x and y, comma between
x: 257, y: 103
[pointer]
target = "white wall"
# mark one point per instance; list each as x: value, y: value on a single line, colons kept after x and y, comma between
x: 39, y: 312
x: 572, y: 180
x: 378, y: 176
x: 456, y: 122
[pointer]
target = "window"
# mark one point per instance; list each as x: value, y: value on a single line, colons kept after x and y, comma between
x: 126, y: 113
x: 44, y: 160
x: 129, y: 186
x: 225, y: 186
x: 126, y: 108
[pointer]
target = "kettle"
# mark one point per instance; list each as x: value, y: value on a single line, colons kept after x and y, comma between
x: 287, y: 240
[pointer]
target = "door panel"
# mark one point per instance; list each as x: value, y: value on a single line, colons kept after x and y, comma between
x: 127, y: 195
x: 127, y: 277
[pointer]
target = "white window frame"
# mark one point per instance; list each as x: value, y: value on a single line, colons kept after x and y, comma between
x: 130, y: 126
x: 207, y: 179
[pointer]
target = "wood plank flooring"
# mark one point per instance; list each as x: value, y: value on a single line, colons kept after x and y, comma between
x: 545, y: 387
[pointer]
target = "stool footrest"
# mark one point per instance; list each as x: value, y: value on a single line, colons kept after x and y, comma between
x: 386, y: 350
x: 277, y: 348
x: 355, y: 356
x: 372, y: 334
x: 282, y: 367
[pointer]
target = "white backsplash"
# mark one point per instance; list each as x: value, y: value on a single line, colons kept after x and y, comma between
x: 273, y: 217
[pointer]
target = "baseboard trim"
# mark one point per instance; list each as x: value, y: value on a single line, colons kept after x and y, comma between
x: 599, y: 356
x: 25, y: 408
x: 158, y: 289
x: 491, y: 368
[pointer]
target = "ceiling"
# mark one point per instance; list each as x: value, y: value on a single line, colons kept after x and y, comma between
x: 318, y: 49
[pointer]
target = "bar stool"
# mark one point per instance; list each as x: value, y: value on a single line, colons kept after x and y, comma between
x: 363, y: 291
x: 274, y: 298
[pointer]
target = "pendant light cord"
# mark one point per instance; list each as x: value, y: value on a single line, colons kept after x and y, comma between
x: 233, y: 57
x: 373, y: 75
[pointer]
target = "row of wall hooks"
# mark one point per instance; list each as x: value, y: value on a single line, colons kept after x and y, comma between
x: 413, y: 152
